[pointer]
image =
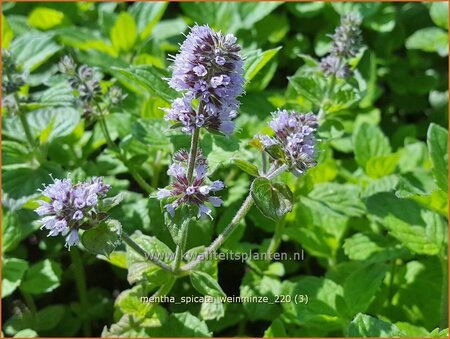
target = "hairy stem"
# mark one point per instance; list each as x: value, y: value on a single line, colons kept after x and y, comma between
x: 26, y: 128
x: 194, y: 146
x: 147, y: 256
x: 180, y: 249
x: 193, y: 153
x: 80, y: 281
x: 241, y: 213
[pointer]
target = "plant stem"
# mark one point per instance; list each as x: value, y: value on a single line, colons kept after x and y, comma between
x: 194, y: 146
x: 248, y: 202
x: 243, y: 210
x: 180, y: 249
x: 147, y: 256
x: 135, y: 174
x: 193, y: 153
x: 26, y: 128
x: 276, y: 239
x: 29, y: 301
x: 80, y: 281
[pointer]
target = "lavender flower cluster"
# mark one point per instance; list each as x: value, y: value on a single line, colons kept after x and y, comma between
x: 346, y: 43
x: 70, y: 206
x: 12, y: 80
x: 294, y: 134
x: 198, y: 192
x: 208, y: 68
x: 84, y: 80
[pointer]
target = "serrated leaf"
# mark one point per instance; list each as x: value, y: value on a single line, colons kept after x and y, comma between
x: 312, y: 88
x: 31, y: 50
x: 368, y: 142
x: 152, y: 132
x: 205, y: 284
x: 148, y: 78
x: 274, y: 200
x: 102, y: 239
x: 366, y: 326
x: 373, y: 248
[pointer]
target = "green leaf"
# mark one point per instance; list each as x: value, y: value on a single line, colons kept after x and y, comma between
x: 152, y: 132
x: 247, y: 167
x: 255, y: 285
x: 206, y: 285
x: 16, y: 226
x: 381, y: 166
x: 102, y: 239
x: 361, y: 286
x: 405, y: 222
x: 108, y: 203
x: 219, y: 150
x: 14, y: 153
x: 124, y: 32
x: 49, y: 317
x: 366, y: 326
x: 47, y: 124
x: 131, y: 302
x: 31, y: 50
x: 256, y: 60
x: 274, y: 200
x: 430, y: 39
x: 276, y: 330
x: 7, y: 33
x: 179, y: 224
x: 142, y: 79
x: 13, y: 271
x: 212, y: 310
x: 325, y: 299
x: 439, y: 13
x: 437, y: 140
x: 26, y: 333
x: 147, y: 15
x: 42, y: 277
x: 252, y: 12
x: 183, y: 325
x: 336, y: 199
x: 45, y: 18
x: 141, y: 269
x: 373, y: 248
x: 312, y: 88
x: 25, y: 181
x: 368, y: 142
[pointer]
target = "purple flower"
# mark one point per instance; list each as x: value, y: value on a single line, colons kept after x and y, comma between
x: 69, y: 205
x: 294, y: 135
x: 346, y: 44
x: 197, y: 192
x: 207, y: 68
x: 347, y: 37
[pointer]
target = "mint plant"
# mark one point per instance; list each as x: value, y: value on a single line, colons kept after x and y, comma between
x: 225, y: 169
